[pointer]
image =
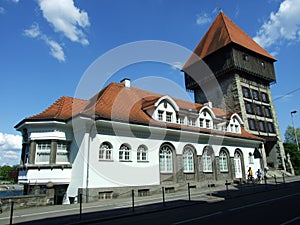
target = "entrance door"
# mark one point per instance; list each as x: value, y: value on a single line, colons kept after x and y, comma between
x: 237, y: 166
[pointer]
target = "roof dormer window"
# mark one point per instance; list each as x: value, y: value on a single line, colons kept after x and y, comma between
x: 160, y: 115
x: 168, y: 117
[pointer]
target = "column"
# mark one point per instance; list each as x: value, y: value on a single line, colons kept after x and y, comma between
x: 32, y: 152
x: 53, y: 151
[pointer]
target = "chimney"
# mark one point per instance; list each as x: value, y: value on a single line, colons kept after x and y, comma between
x: 126, y: 82
x: 209, y: 104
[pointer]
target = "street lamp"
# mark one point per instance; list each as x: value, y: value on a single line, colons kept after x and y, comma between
x: 295, y: 133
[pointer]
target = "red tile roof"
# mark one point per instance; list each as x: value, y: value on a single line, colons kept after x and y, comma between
x: 222, y: 32
x: 118, y: 103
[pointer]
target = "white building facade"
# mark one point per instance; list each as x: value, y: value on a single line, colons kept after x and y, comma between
x: 127, y: 138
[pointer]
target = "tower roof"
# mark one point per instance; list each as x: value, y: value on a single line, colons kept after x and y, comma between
x: 222, y: 32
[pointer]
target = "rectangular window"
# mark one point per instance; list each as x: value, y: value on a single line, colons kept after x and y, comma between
x: 201, y: 121
x: 252, y: 124
x: 259, y: 110
x: 62, y: 155
x: 192, y: 122
x: 160, y: 115
x: 246, y: 92
x: 43, y: 152
x: 262, y: 126
x: 268, y: 112
x: 271, y: 127
x: 207, y: 163
x: 207, y: 123
x: 264, y: 97
x: 249, y: 107
x: 169, y: 117
x: 255, y: 95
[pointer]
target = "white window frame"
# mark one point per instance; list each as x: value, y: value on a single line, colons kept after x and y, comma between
x: 169, y: 117
x: 188, y: 160
x: 223, y: 161
x: 166, y: 159
x: 62, y: 152
x: 43, y: 151
x: 124, y: 153
x: 105, y: 151
x: 142, y: 153
x: 206, y: 161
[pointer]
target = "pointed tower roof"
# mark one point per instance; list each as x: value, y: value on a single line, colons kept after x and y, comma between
x: 222, y: 32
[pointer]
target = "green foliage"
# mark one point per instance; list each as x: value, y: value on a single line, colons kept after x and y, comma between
x: 289, y: 135
x: 8, y: 173
x: 291, y: 148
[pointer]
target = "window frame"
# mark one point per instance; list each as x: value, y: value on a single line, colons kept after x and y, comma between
x: 166, y: 159
x: 223, y: 161
x: 142, y: 154
x: 125, y: 153
x: 106, y: 153
x: 188, y: 160
x: 43, y: 148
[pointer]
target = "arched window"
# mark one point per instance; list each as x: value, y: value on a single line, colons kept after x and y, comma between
x: 165, y: 159
x: 142, y: 153
x: 105, y: 151
x: 188, y: 160
x: 207, y: 159
x: 238, y: 165
x: 223, y: 163
x: 124, y: 153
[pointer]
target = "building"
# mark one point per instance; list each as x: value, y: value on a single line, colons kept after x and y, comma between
x: 243, y: 72
x: 125, y: 137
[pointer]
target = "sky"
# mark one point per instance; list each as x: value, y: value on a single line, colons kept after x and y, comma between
x: 48, y: 46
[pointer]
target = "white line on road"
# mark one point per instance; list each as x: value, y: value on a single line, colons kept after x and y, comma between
x: 291, y: 221
x: 262, y: 202
x: 198, y: 218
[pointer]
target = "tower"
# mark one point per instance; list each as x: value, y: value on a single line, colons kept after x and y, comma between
x: 242, y: 74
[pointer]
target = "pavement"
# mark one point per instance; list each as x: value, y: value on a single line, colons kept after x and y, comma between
x: 104, y: 210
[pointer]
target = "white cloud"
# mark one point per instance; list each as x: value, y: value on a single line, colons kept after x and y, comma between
x: 33, y: 31
x: 2, y: 10
x: 282, y: 26
x: 10, y: 147
x: 66, y: 18
x: 203, y: 19
x: 55, y: 48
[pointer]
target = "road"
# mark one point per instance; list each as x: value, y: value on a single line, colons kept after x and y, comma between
x: 277, y: 207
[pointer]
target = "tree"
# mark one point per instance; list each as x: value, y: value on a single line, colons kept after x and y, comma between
x: 8, y: 173
x: 289, y: 135
x: 291, y: 149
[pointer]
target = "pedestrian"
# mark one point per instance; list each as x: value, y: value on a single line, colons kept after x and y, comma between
x: 258, y: 174
x: 250, y: 174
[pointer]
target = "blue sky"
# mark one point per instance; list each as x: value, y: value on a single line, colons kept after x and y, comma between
x: 47, y: 45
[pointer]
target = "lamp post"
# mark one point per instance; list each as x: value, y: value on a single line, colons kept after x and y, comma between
x: 295, y: 133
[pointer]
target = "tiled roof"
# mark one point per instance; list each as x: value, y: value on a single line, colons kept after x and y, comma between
x: 222, y: 32
x: 62, y: 109
x: 118, y: 103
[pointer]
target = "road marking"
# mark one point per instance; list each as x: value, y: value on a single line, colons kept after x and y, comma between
x: 198, y: 218
x: 291, y: 221
x: 262, y: 202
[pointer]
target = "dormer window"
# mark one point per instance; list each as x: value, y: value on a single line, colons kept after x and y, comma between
x: 207, y: 123
x: 168, y: 117
x: 201, y: 122
x: 160, y: 115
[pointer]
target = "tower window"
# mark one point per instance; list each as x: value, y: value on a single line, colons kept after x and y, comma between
x: 264, y: 97
x: 262, y: 64
x: 245, y: 57
x: 262, y: 126
x: 249, y: 107
x: 246, y: 92
x: 252, y: 124
x: 271, y: 127
x: 268, y: 112
x: 255, y: 95
x: 259, y: 110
